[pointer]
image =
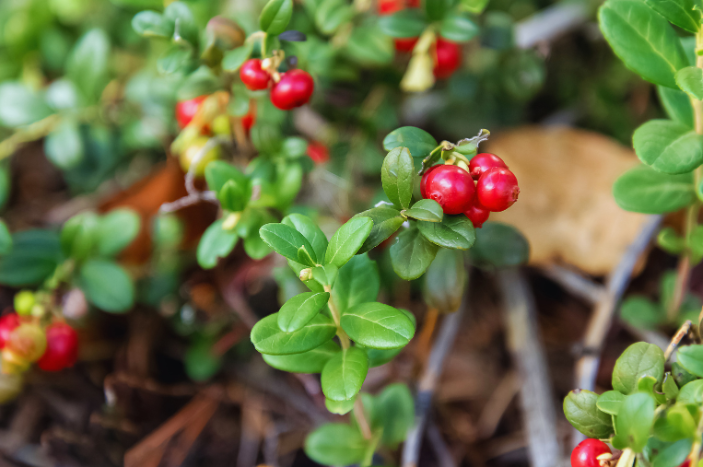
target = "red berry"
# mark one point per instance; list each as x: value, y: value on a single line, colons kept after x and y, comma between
x: 388, y: 7
x: 8, y: 323
x: 253, y: 76
x: 447, y: 58
x: 293, y: 90
x: 484, y: 161
x: 451, y: 186
x: 425, y: 177
x: 686, y: 463
x: 477, y: 214
x: 318, y: 152
x: 587, y: 452
x: 186, y: 110
x: 406, y: 44
x: 61, y: 349
x: 497, y: 189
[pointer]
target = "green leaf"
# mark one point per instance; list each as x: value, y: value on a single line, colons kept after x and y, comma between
x: 634, y: 421
x: 474, y: 6
x: 200, y: 82
x: 394, y: 411
x: 34, y: 256
x: 358, y: 282
x: 645, y: 190
x: 64, y: 145
x: 378, y: 357
x: 674, y: 454
x: 458, y: 28
x: 682, y: 13
x: 5, y: 239
x: 640, y: 312
x: 404, y: 23
x: 344, y: 374
x: 377, y: 326
x: 331, y: 14
x: 386, y: 221
x: 151, y: 23
x: 200, y: 361
x: 214, y: 244
x: 419, y: 142
x: 638, y: 360
x: 427, y: 210
x: 175, y: 59
x: 218, y: 173
x: 668, y: 146
x: 116, y: 230
x: 275, y: 16
x: 437, y: 9
x: 309, y: 230
x: 643, y: 40
x: 690, y: 81
x: 286, y: 241
x: 341, y: 407
x: 312, y: 361
x: 677, y: 105
x: 581, y: 411
x: 299, y: 310
x: 671, y: 390
x: 368, y: 46
x: 268, y: 338
x: 233, y: 196
x: 455, y: 232
x: 398, y: 176
x: 185, y: 31
x: 255, y: 247
x: 20, y: 105
x: 336, y: 444
x: 445, y: 281
x: 610, y: 402
x: 347, y: 240
x: 412, y: 253
x: 675, y: 424
x: 79, y: 235
x: 691, y: 358
x: 691, y: 393
x: 235, y: 58
x: 87, y: 65
x: 106, y: 285
x: 325, y: 275
x: 681, y: 376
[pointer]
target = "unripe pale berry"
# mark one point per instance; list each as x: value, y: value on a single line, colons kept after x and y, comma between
x: 480, y: 163
x: 253, y: 76
x: 477, y: 214
x: 8, y: 323
x: 497, y: 189
x: 27, y: 342
x: 61, y: 348
x: 293, y: 90
x: 187, y: 157
x: 186, y: 110
x: 451, y: 186
x: 587, y: 452
x: 447, y: 58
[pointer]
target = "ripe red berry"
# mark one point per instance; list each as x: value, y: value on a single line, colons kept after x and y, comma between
x: 406, y: 44
x: 482, y: 162
x: 61, y: 348
x: 186, y: 110
x: 8, y: 323
x: 587, y: 452
x: 253, y: 76
x: 293, y: 90
x: 447, y: 58
x: 686, y: 463
x: 388, y: 7
x: 477, y: 214
x: 318, y: 152
x: 451, y: 186
x: 425, y: 177
x: 497, y: 189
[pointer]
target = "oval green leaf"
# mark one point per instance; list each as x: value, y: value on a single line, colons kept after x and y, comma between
x: 455, y: 232
x: 412, y: 253
x: 268, y: 338
x: 398, y: 176
x: 312, y: 361
x: 377, y: 326
x: 645, y: 190
x: 582, y: 412
x: 668, y: 146
x: 638, y: 360
x: 344, y: 374
x: 386, y: 221
x: 427, y: 210
x: 106, y: 285
x: 299, y: 310
x: 347, y: 240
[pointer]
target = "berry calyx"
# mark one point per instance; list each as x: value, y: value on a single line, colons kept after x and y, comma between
x: 480, y: 163
x: 477, y: 214
x: 186, y: 110
x: 253, y: 76
x: 187, y: 157
x: 61, y: 348
x: 8, y: 323
x: 318, y: 152
x: 293, y: 90
x: 447, y: 58
x: 406, y: 44
x: 587, y: 452
x: 497, y: 189
x: 451, y: 186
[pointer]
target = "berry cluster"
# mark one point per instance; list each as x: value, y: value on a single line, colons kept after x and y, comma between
x: 23, y: 341
x: 289, y: 90
x: 591, y: 453
x: 488, y: 186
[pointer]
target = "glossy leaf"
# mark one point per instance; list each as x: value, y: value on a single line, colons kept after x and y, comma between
x: 358, y: 282
x: 64, y: 146
x: 331, y: 14
x: 394, y: 411
x: 34, y: 256
x: 336, y: 444
x: 268, y: 338
x: 645, y: 190
x: 641, y: 312
x: 218, y: 173
x: 668, y: 146
x: 677, y: 105
x: 215, y: 243
x: 299, y: 310
x: 682, y: 13
x: 610, y: 402
x: 235, y: 58
x: 671, y: 390
x: 378, y: 357
x: 116, y: 230
x: 87, y: 66
x: 386, y: 221
x: 458, y: 28
x: 312, y: 361
x: 677, y: 423
x: 690, y: 81
x: 581, y: 411
x: 286, y: 241
x: 20, y: 105
x: 445, y: 281
x: 5, y: 239
x: 437, y: 9
x: 634, y: 421
x: 427, y: 210
x: 377, y: 326
x: 404, y: 23
x: 347, y: 240
x: 106, y: 285
x: 275, y: 16
x: 344, y: 374
x: 412, y: 253
x: 674, y: 454
x: 691, y: 358
x: 691, y: 393
x: 419, y: 142
x: 150, y: 23
x: 309, y: 230
x: 638, y: 360
x: 397, y: 177
x: 455, y: 232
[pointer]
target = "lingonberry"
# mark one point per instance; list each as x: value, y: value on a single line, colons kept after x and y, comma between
x: 61, y: 348
x: 447, y: 58
x: 406, y: 44
x: 497, y: 189
x: 186, y: 110
x: 388, y: 7
x: 27, y: 343
x: 451, y: 186
x: 482, y: 162
x: 253, y: 76
x: 425, y: 177
x: 587, y: 452
x: 318, y: 152
x: 686, y: 463
x: 187, y: 157
x: 293, y: 90
x: 8, y: 323
x: 477, y: 214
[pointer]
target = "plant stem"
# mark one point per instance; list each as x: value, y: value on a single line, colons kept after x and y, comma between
x: 696, y: 449
x: 360, y: 415
x: 676, y: 340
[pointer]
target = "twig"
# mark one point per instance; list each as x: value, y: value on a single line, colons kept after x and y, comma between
x: 441, y: 450
x: 550, y: 23
x: 189, y: 201
x: 539, y: 416
x: 575, y: 283
x: 497, y: 404
x: 683, y: 270
x: 676, y: 340
x: 428, y: 382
